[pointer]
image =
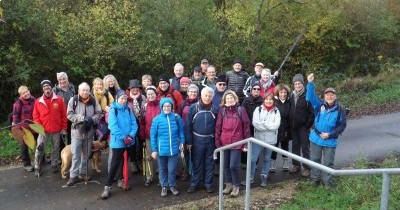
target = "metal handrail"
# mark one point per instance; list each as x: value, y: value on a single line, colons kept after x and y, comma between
x: 386, y: 172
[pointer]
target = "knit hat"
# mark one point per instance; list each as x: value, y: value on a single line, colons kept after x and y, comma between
x: 256, y: 84
x: 120, y: 93
x: 134, y: 84
x: 197, y: 68
x: 298, y: 78
x: 164, y: 78
x: 151, y: 87
x: 185, y: 80
x: 221, y: 78
x: 330, y: 89
x: 45, y: 82
x: 260, y: 64
x: 193, y: 87
x: 237, y: 61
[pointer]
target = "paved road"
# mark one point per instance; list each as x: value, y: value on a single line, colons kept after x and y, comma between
x: 373, y: 136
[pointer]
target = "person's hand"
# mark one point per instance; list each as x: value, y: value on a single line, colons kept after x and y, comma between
x: 107, y: 109
x: 63, y: 132
x: 188, y: 146
x: 181, y: 147
x: 244, y: 149
x: 154, y: 155
x: 310, y: 77
x: 88, y: 121
x: 128, y: 140
x: 276, y: 73
x: 324, y: 135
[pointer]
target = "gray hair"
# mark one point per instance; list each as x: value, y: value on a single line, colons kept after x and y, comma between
x: 207, y: 89
x: 179, y: 65
x: 61, y: 75
x: 193, y: 87
x: 83, y: 85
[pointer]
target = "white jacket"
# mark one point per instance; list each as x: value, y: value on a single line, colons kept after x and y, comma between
x: 266, y: 124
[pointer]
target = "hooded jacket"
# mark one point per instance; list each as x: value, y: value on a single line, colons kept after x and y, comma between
x: 148, y: 112
x: 121, y: 122
x: 167, y: 132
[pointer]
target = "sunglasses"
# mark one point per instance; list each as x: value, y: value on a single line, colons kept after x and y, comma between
x: 256, y: 88
x: 221, y: 84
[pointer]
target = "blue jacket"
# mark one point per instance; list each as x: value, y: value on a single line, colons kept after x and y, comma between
x: 121, y: 122
x: 327, y: 120
x: 200, y: 122
x: 167, y: 132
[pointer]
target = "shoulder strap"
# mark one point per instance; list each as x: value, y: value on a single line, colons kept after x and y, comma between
x: 75, y: 102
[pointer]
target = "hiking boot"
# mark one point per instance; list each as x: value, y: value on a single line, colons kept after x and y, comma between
x: 106, y: 192
x: 294, y: 169
x: 243, y: 183
x: 120, y: 183
x: 306, y: 172
x: 191, y: 189
x: 285, y: 165
x: 228, y: 188
x: 210, y: 189
x: 28, y: 168
x: 148, y: 181
x: 272, y: 168
x: 72, y: 181
x: 37, y: 172
x: 235, y: 191
x: 263, y: 180
x: 164, y: 192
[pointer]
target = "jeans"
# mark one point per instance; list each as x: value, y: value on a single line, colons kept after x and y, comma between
x: 232, y: 166
x: 79, y: 149
x: 167, y: 170
x: 202, y: 155
x: 328, y: 154
x: 40, y: 149
x: 256, y: 150
x: 301, y: 142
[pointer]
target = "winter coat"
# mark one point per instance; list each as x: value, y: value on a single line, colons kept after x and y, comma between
x: 266, y: 124
x: 136, y: 104
x: 175, y: 95
x: 284, y: 132
x: 121, y: 122
x: 185, y: 107
x: 331, y: 120
x: 236, y: 82
x: 176, y: 82
x: 250, y: 103
x: 302, y: 113
x: 77, y: 117
x: 249, y: 83
x: 200, y: 122
x: 104, y: 99
x: 207, y: 83
x: 65, y: 94
x: 216, y: 101
x: 148, y: 111
x: 167, y: 132
x: 231, y: 126
x: 52, y: 118
x: 22, y: 110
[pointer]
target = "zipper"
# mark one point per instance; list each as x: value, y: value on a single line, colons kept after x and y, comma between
x: 170, y: 136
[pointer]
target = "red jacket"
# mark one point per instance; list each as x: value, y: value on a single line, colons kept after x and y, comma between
x: 231, y: 127
x: 175, y: 95
x: 148, y: 112
x: 53, y: 118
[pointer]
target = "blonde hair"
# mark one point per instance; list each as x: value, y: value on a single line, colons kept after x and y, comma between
x: 146, y: 76
x: 108, y: 77
x: 280, y: 87
x: 22, y: 89
x: 97, y: 80
x: 229, y: 92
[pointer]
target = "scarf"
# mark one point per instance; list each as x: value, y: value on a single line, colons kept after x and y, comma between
x: 297, y: 95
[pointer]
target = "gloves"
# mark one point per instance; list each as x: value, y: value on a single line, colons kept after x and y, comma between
x: 88, y: 122
x: 128, y: 140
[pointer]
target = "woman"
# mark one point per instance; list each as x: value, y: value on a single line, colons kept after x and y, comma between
x: 284, y: 135
x: 266, y: 121
x: 111, y: 84
x: 266, y: 82
x: 123, y: 127
x: 232, y: 125
x: 103, y: 97
x: 167, y: 139
x: 148, y: 112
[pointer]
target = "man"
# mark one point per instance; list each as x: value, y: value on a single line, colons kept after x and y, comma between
x: 50, y: 112
x: 84, y: 112
x: 197, y: 76
x: 210, y: 79
x: 220, y: 88
x: 199, y: 130
x: 301, y: 119
x: 164, y: 90
x: 323, y: 136
x: 252, y: 79
x: 178, y: 71
x: 204, y: 65
x: 236, y: 79
x: 146, y: 81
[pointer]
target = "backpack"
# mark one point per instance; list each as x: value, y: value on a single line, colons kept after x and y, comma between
x: 76, y: 99
x: 10, y: 115
x: 239, y: 112
x: 198, y: 111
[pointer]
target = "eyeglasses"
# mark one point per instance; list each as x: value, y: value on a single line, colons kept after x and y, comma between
x: 256, y: 88
x: 167, y: 106
x: 221, y: 84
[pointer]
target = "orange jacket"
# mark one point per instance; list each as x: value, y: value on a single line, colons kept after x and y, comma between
x: 53, y: 118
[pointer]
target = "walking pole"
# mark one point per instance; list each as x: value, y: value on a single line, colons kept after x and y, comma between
x: 85, y: 136
x: 292, y: 48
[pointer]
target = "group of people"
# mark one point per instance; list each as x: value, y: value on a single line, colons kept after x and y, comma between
x: 182, y: 120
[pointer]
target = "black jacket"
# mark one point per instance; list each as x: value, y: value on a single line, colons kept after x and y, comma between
x: 236, y: 82
x: 284, y: 133
x: 250, y: 104
x: 301, y: 114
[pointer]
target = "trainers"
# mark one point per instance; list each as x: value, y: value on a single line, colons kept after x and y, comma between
x: 306, y: 172
x: 37, y: 172
x: 174, y: 191
x: 28, y: 168
x: 72, y: 181
x: 263, y: 180
x: 106, y: 193
x: 164, y: 192
x: 294, y: 169
x: 191, y: 189
x: 272, y: 168
x: 228, y: 188
x: 120, y: 183
x: 148, y: 181
x: 235, y: 191
x: 285, y: 165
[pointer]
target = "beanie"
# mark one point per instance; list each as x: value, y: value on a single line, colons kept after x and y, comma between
x: 298, y: 78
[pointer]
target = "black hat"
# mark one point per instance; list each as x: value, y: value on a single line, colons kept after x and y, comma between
x: 197, y: 68
x: 134, y: 84
x: 221, y: 78
x: 237, y: 61
x: 256, y: 84
x: 164, y: 78
x: 45, y: 82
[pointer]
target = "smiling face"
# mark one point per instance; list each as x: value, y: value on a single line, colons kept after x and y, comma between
x: 163, y: 85
x: 26, y: 94
x: 298, y: 86
x: 237, y: 67
x: 330, y: 98
x: 84, y: 92
x: 178, y: 71
x: 46, y: 90
x: 98, y: 86
x: 269, y: 101
x: 192, y: 94
x: 151, y: 95
x: 134, y: 91
x: 257, y: 70
x: 63, y: 82
x: 221, y: 86
x: 206, y: 97
x: 230, y: 100
x: 146, y: 83
x: 256, y: 91
x: 167, y: 108
x: 283, y: 94
x: 184, y: 86
x: 122, y: 100
x: 210, y: 73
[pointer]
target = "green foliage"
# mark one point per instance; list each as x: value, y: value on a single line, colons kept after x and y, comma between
x: 352, y: 192
x: 8, y: 146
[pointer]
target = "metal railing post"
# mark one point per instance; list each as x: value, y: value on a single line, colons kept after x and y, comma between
x: 221, y: 180
x: 385, y: 191
x: 248, y: 174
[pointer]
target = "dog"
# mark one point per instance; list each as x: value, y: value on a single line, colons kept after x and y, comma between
x: 66, y: 158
